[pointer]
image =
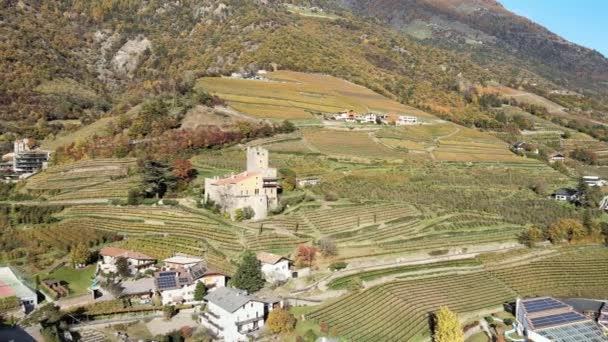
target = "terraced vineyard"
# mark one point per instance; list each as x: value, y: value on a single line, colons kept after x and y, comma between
x: 600, y: 148
x: 398, y: 311
x: 151, y: 220
x: 577, y: 272
x: 87, y: 179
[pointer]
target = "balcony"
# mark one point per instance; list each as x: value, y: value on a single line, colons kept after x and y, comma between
x: 212, y: 314
x: 211, y: 323
x: 247, y: 321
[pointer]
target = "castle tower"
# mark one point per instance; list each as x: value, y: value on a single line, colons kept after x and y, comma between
x: 257, y: 159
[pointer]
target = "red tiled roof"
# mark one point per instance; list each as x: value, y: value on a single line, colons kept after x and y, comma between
x: 119, y: 252
x: 269, y: 258
x: 236, y: 178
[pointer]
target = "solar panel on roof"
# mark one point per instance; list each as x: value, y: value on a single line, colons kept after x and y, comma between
x: 166, y: 282
x: 558, y: 319
x: 543, y: 304
x: 197, y: 272
x: 166, y: 274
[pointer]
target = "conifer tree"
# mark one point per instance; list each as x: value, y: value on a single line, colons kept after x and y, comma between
x: 248, y: 276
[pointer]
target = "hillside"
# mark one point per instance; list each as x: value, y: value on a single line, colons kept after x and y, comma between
x: 494, y: 37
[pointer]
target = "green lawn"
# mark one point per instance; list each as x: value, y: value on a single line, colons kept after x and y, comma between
x: 78, y: 280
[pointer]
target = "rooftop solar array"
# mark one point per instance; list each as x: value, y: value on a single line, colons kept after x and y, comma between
x: 543, y: 304
x: 197, y: 272
x: 557, y: 319
x: 166, y: 280
x: 578, y: 332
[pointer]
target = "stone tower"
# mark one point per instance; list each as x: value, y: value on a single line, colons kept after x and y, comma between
x: 257, y: 159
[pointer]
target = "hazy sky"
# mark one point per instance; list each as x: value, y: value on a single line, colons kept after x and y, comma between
x: 584, y: 22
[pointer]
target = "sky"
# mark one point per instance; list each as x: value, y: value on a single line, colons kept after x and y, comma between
x: 584, y: 22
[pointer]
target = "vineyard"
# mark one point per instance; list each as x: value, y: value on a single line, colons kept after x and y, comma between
x: 392, y: 228
x: 87, y: 179
x: 398, y: 310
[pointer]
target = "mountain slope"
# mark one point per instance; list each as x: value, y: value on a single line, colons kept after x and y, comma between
x: 494, y: 37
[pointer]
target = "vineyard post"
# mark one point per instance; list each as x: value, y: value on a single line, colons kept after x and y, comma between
x: 261, y: 227
x: 358, y: 221
x: 374, y: 217
x: 297, y: 226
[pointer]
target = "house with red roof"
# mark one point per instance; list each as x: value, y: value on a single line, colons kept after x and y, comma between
x: 137, y: 262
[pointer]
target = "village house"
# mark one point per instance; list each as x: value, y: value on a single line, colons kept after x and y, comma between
x: 137, y: 262
x: 275, y: 267
x: 233, y: 315
x: 565, y: 194
x: 177, y: 286
x: 181, y: 261
x: 406, y: 120
x: 256, y: 188
x: 556, y: 158
x: 12, y: 286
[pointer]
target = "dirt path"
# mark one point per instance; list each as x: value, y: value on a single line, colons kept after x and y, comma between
x: 437, y: 140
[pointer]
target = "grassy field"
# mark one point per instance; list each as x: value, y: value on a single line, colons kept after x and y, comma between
x: 78, y: 280
x: 298, y: 96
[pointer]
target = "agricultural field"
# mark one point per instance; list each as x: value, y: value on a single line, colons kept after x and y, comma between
x: 87, y: 179
x: 398, y: 310
x: 299, y: 96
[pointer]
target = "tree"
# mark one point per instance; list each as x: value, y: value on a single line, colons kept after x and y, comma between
x: 306, y: 255
x: 585, y: 156
x: 531, y: 235
x: 182, y: 169
x: 200, y: 291
x: 280, y: 320
x: 447, y: 326
x: 158, y: 178
x: 122, y: 267
x: 327, y: 247
x: 80, y: 254
x: 133, y: 197
x: 566, y: 229
x: 288, y: 179
x: 249, y: 275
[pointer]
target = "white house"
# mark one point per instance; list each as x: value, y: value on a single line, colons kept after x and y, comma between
x: 594, y: 181
x: 565, y: 194
x: 303, y: 182
x: 369, y: 118
x: 182, y: 261
x: 274, y: 267
x: 233, y: 315
x: 177, y: 286
x: 137, y: 262
x: 557, y: 158
x: 406, y: 120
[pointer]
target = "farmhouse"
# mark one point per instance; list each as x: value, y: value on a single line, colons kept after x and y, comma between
x: 406, y: 120
x: 594, y: 181
x: 557, y: 158
x: 232, y: 314
x: 177, y: 286
x: 256, y: 188
x: 181, y: 261
x: 137, y: 262
x: 12, y: 286
x: 546, y: 319
x: 565, y: 194
x: 274, y: 267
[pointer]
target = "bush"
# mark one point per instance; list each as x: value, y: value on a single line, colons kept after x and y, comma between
x: 330, y: 196
x: 439, y: 252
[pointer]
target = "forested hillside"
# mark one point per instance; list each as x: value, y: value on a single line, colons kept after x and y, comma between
x: 67, y: 63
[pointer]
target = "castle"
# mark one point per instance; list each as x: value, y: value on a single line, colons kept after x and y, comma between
x: 255, y: 188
